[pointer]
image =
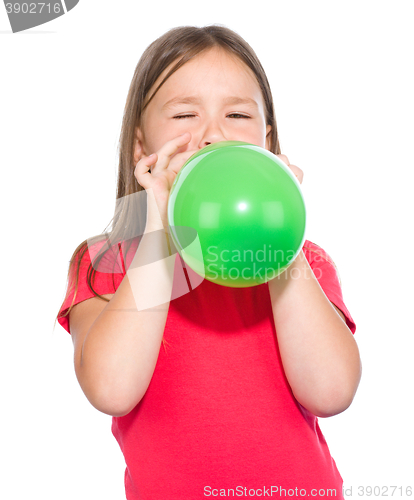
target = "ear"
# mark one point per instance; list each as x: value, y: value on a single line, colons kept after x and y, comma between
x: 268, y: 137
x: 138, y: 145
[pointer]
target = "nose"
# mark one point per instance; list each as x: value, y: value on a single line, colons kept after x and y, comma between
x: 212, y: 133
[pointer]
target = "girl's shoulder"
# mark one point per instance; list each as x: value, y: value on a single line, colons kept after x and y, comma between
x: 104, y: 255
x: 97, y: 267
x: 315, y: 253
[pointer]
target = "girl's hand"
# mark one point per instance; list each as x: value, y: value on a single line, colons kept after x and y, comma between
x: 158, y: 171
x: 296, y: 170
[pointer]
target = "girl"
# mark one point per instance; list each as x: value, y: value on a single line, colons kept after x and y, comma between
x: 228, y: 405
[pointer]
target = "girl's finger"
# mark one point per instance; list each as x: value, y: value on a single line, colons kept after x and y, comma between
x: 284, y: 158
x: 178, y: 161
x: 170, y: 148
x: 143, y: 167
x: 298, y: 172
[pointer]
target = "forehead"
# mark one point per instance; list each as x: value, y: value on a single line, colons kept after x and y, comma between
x: 215, y: 67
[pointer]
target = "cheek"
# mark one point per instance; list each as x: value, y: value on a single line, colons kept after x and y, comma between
x: 156, y: 135
x: 254, y: 134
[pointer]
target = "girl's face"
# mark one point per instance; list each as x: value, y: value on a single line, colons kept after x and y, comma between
x: 214, y: 96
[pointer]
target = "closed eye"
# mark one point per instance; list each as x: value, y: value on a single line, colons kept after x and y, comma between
x: 237, y: 115
x: 232, y: 115
x: 182, y: 116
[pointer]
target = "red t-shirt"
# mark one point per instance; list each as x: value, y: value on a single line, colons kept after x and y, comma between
x: 219, y: 417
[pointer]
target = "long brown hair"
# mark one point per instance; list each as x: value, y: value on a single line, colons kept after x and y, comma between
x: 179, y: 45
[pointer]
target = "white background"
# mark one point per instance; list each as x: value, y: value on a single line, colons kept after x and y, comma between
x: 342, y: 79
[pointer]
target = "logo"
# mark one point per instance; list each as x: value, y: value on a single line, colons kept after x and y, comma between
x: 24, y: 15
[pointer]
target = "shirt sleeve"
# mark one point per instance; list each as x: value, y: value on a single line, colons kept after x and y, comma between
x: 108, y: 273
x: 326, y: 273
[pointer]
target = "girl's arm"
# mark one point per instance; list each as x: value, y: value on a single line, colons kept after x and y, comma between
x: 319, y: 353
x: 117, y: 343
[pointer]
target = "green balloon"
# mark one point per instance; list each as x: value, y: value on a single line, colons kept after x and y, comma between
x: 236, y: 214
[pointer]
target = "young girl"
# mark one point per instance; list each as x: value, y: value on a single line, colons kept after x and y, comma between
x: 213, y: 392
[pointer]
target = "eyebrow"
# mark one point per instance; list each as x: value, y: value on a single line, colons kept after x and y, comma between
x: 197, y: 101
